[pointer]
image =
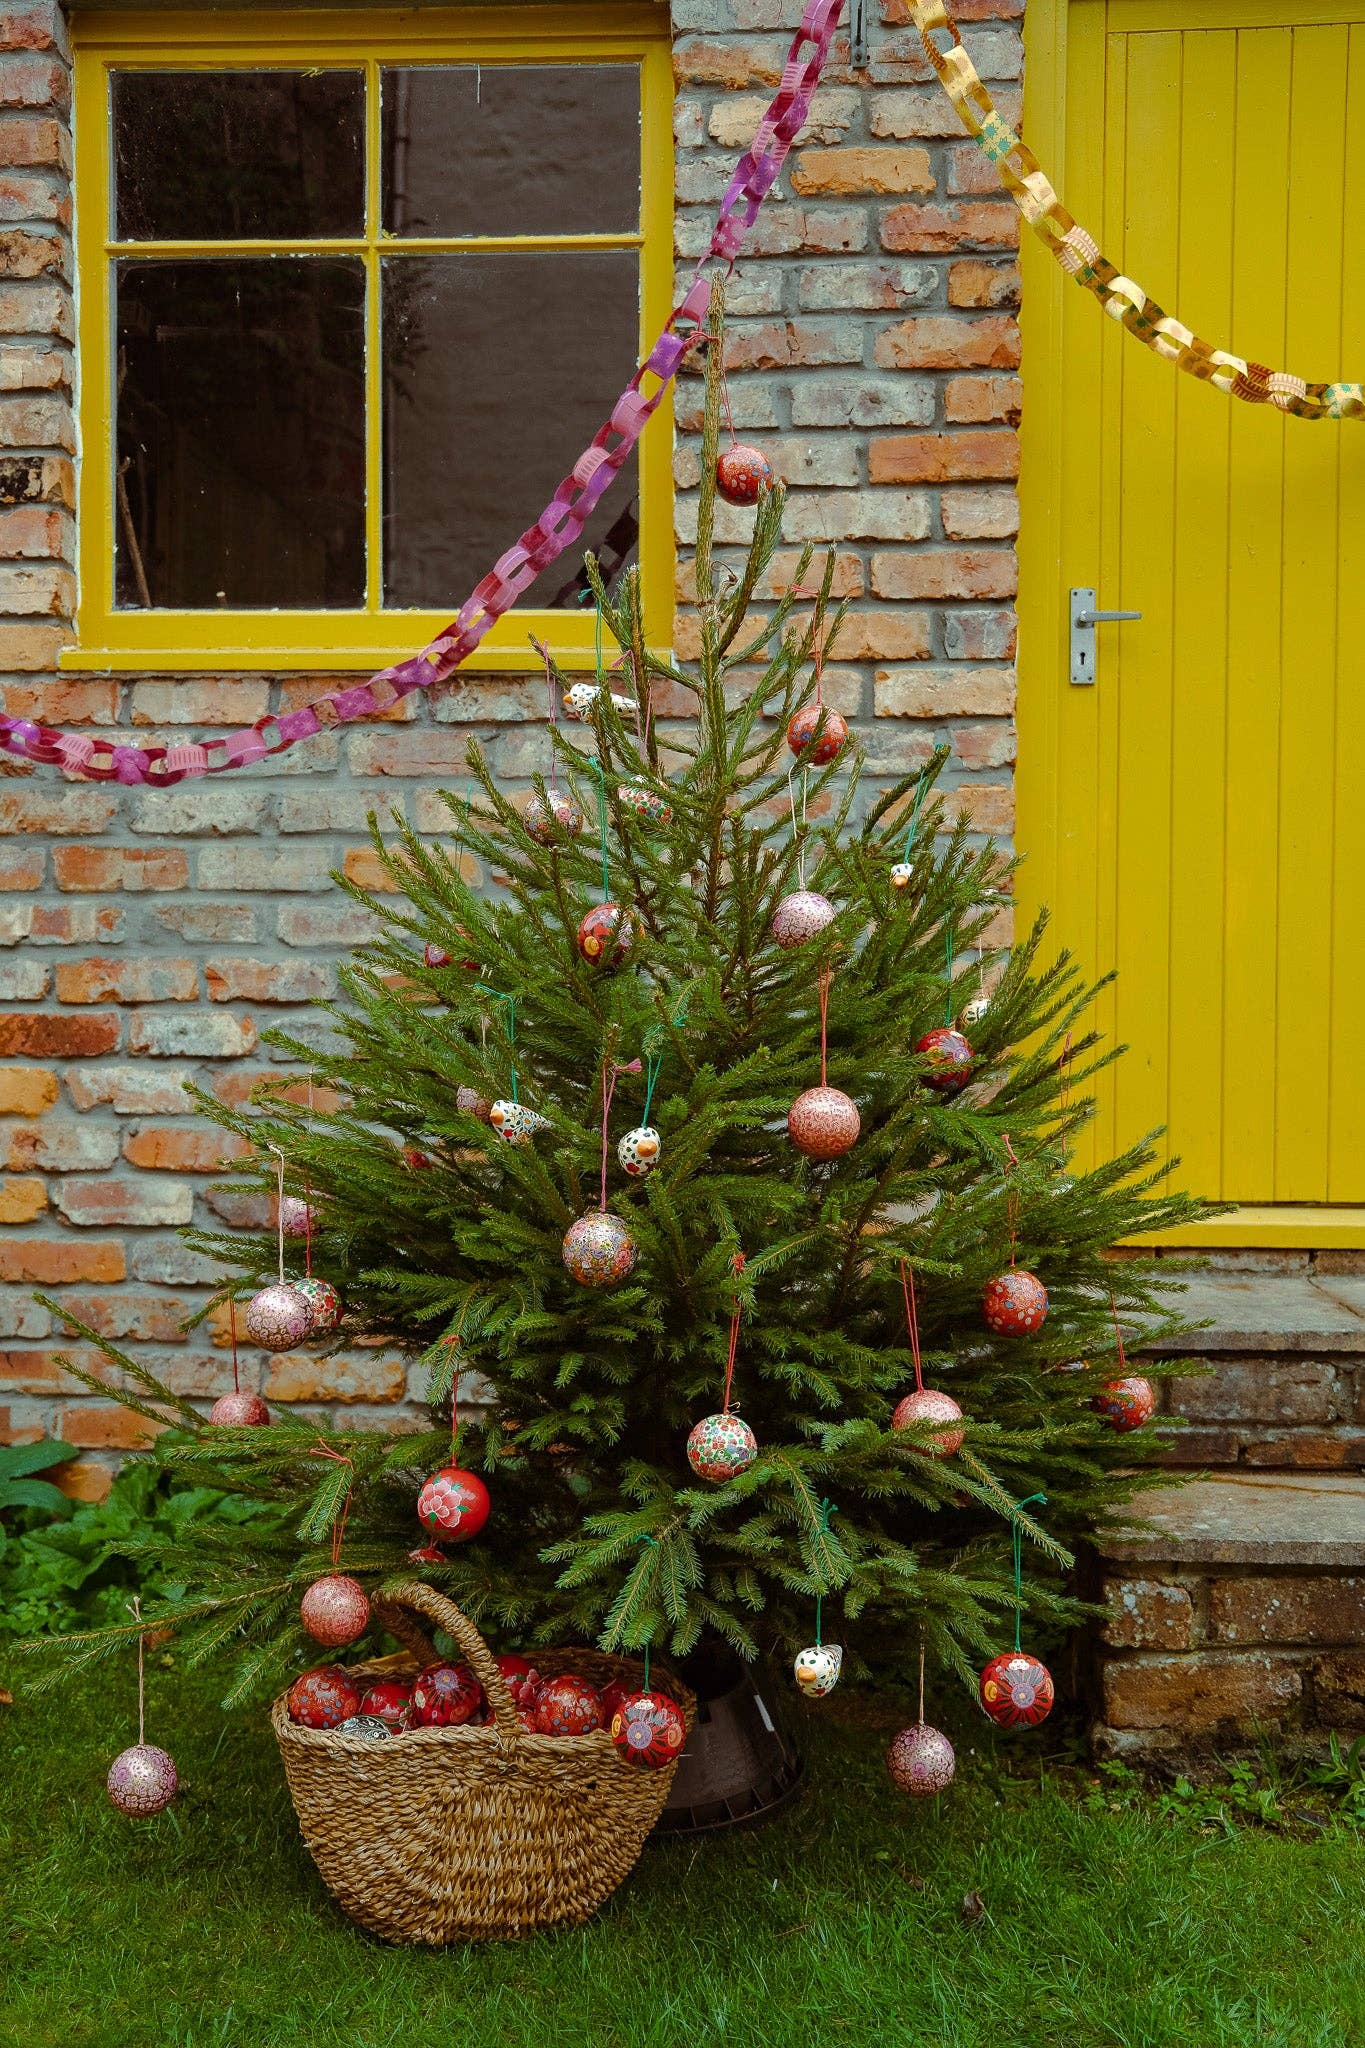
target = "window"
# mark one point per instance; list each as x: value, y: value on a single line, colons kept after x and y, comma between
x: 356, y: 290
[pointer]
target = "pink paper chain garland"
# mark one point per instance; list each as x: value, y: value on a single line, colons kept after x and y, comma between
x: 557, y: 528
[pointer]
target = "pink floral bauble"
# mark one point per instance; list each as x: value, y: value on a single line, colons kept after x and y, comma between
x: 720, y: 1447
x: 335, y: 1610
x: 279, y: 1317
x: 599, y: 1249
x: 324, y: 1301
x: 648, y: 1729
x: 1125, y: 1404
x: 552, y: 818
x: 607, y: 933
x: 471, y: 1103
x: 239, y: 1410
x: 921, y: 1761
x: 323, y: 1697
x: 453, y: 1504
x: 142, y: 1780
x: 801, y: 916
x: 1016, y: 1690
x: 928, y: 1404
x: 950, y: 1059
x: 297, y: 1219
x: 1014, y: 1304
x: 801, y: 731
x: 741, y: 473
x: 824, y: 1123
x: 567, y: 1705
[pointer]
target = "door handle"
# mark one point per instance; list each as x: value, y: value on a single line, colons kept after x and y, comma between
x: 1084, y: 619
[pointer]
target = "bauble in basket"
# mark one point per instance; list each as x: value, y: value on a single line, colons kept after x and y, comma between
x: 520, y: 1677
x: 567, y: 1705
x: 445, y: 1696
x: 390, y: 1700
x: 323, y: 1697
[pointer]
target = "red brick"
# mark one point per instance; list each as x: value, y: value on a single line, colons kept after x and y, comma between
x: 24, y: 981
x: 34, y: 139
x: 21, y: 1199
x: 127, y: 981
x: 126, y: 1313
x: 885, y: 636
x: 133, y: 1090
x: 51, y: 1261
x: 1147, y: 1614
x: 39, y: 479
x: 35, y: 422
x: 81, y: 924
x: 33, y: 367
x: 199, y: 811
x: 92, y: 1203
x: 27, y: 1091
x: 920, y: 110
x: 25, y: 648
x: 939, y: 341
x: 135, y: 868
x: 35, y: 533
x: 56, y: 1037
x: 333, y: 925
x: 84, y: 1479
x: 832, y: 112
x: 941, y: 230
x: 63, y: 700
x: 943, y: 692
x: 232, y: 978
x: 300, y: 1376
x: 60, y: 1145
x: 214, y: 923
x: 729, y: 67
x: 982, y: 806
x: 946, y: 572
x: 934, y: 458
x: 986, y: 746
x: 967, y: 400
x: 36, y: 27
x: 1199, y: 1693
x: 980, y: 635
x: 209, y: 700
x: 973, y: 283
x: 43, y: 310
x: 276, y: 869
x: 34, y: 81
x: 842, y: 172
x: 1287, y: 1610
x: 193, y: 1034
x: 45, y: 809
x: 21, y: 871
x: 107, y: 1427
x: 168, y: 1149
x: 980, y: 515
x: 792, y: 344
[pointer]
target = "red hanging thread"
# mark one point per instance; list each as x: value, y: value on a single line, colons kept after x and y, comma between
x: 232, y: 1325
x: 817, y: 646
x: 912, y: 1323
x: 826, y: 974
x: 322, y: 1450
x: 1118, y: 1332
x: 736, y: 1266
x: 609, y: 1074
x: 1064, y: 1099
x: 1011, y: 1199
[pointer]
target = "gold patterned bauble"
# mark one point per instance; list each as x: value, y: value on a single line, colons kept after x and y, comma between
x: 552, y: 818
x: 142, y: 1780
x: 599, y: 1249
x: 921, y: 1761
x: 279, y: 1317
x: 801, y: 916
x: 824, y: 1123
x: 929, y: 1404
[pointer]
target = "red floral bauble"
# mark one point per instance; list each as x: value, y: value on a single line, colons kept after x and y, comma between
x: 426, y: 1553
x: 824, y: 1123
x: 445, y: 1696
x: 390, y: 1701
x: 607, y: 934
x: 928, y: 1404
x: 239, y: 1410
x: 142, y: 1780
x: 801, y: 730
x: 921, y: 1761
x: 520, y: 1677
x: 1125, y: 1404
x: 648, y: 1729
x: 950, y: 1059
x: 323, y: 1697
x: 415, y: 1159
x: 453, y: 1505
x: 335, y: 1610
x: 1016, y: 1690
x: 741, y: 473
x: 435, y: 956
x: 1014, y: 1304
x: 567, y: 1705
x: 324, y: 1301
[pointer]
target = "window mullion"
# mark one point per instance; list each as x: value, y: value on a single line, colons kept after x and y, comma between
x: 374, y: 369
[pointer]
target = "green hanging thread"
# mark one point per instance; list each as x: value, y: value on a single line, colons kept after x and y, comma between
x: 601, y: 672
x: 653, y: 1062
x: 495, y: 995
x: 1041, y: 1499
x: 921, y: 785
x: 600, y: 773
x: 827, y: 1508
x: 654, y: 1542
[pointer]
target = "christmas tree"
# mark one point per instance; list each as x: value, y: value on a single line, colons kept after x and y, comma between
x: 696, y: 1116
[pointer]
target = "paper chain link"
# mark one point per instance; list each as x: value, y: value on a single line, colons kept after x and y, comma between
x: 559, y: 525
x: 1079, y: 255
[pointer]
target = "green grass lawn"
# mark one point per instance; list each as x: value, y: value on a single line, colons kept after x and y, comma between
x: 842, y: 1920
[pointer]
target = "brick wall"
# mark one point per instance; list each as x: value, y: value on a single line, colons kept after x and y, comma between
x: 147, y: 937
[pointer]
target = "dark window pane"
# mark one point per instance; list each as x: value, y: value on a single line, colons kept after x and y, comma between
x: 489, y: 398
x: 241, y: 443
x: 512, y: 149
x: 238, y: 155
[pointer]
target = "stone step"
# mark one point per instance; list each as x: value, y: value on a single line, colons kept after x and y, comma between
x: 1235, y: 1607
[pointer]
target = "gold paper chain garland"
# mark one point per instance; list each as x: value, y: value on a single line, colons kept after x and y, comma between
x: 1079, y: 255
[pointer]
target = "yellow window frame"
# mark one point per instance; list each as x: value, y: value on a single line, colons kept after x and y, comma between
x: 112, y: 638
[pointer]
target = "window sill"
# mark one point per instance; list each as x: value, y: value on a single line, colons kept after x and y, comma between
x: 196, y: 659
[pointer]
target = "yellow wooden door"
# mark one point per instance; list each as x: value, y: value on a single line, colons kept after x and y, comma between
x: 1195, y: 819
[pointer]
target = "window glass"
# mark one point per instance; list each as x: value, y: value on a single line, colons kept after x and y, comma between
x: 238, y: 155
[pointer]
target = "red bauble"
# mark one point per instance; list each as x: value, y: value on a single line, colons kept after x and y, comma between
x: 445, y: 1696
x: 950, y: 1059
x: 416, y: 1160
x: 801, y: 730
x: 648, y: 1729
x: 142, y: 1780
x: 1014, y: 1304
x: 607, y: 934
x: 1016, y: 1690
x: 929, y: 1405
x: 520, y: 1677
x: 453, y: 1505
x: 613, y: 1695
x: 824, y: 1123
x: 239, y: 1411
x: 335, y: 1610
x: 741, y: 473
x: 426, y: 1553
x: 1125, y: 1404
x: 435, y: 956
x: 323, y: 1697
x: 324, y: 1301
x: 390, y: 1701
x: 567, y: 1706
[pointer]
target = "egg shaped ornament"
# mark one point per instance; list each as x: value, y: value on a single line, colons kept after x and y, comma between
x: 950, y: 1059
x: 445, y: 1696
x: 297, y: 1217
x: 599, y: 1250
x: 324, y: 1301
x: 720, y: 1447
x: 279, y: 1317
x: 800, y: 917
x: 920, y: 1761
x: 640, y: 1151
x: 552, y: 818
x: 514, y: 1123
x: 388, y: 1700
x: 607, y: 934
x: 582, y: 699
x: 1016, y: 1690
x: 801, y: 731
x: 816, y: 1669
x: 645, y: 805
x: 824, y: 1123
x: 648, y: 1730
x: 928, y: 1404
x: 323, y: 1697
x: 142, y: 1780
x: 975, y: 1012
x: 1014, y: 1304
x: 901, y: 876
x: 1125, y: 1404
x: 453, y: 1504
x: 741, y: 473
x: 335, y: 1610
x: 239, y: 1410
x: 567, y: 1705
x: 366, y: 1728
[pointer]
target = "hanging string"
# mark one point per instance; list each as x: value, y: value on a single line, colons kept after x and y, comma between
x: 279, y: 1207
x: 826, y: 975
x: 921, y: 785
x: 1065, y: 1094
x: 135, y: 1609
x: 1041, y: 1499
x: 602, y: 827
x: 827, y: 1508
x: 232, y: 1325
x: 921, y: 1684
x: 1011, y: 1198
x: 322, y: 1450
x: 1118, y: 1334
x: 609, y: 1073
x: 912, y: 1323
x: 948, y: 977
x: 799, y: 823
x: 308, y: 1197
x: 653, y: 1063
x: 737, y: 1266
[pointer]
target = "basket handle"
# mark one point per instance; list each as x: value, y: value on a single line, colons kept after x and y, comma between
x: 393, y: 1607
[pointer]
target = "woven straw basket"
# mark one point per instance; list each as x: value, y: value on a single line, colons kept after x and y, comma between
x: 462, y: 1834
